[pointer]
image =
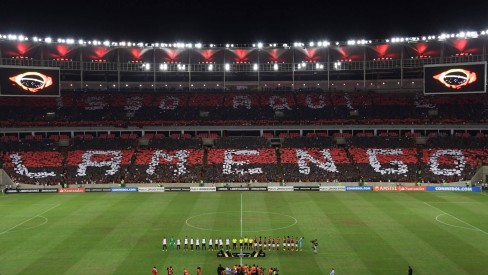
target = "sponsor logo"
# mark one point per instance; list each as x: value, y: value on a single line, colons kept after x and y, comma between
x: 71, y: 190
x: 259, y: 188
x: 151, y: 189
x: 385, y: 188
x: 412, y: 188
x: 202, y: 189
x: 12, y: 191
x: 332, y: 188
x: 280, y: 188
x: 237, y: 188
x: 49, y: 190
x: 454, y: 188
x: 128, y: 189
x: 98, y: 190
x: 175, y: 189
x: 306, y: 188
x: 29, y: 190
x: 399, y: 188
x: 359, y: 188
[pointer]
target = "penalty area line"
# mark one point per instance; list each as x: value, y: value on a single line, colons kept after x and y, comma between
x: 38, y: 215
x: 445, y: 213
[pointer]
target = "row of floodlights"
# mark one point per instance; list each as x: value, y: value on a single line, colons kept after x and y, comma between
x: 441, y: 37
x: 227, y: 66
x: 70, y: 41
x: 218, y: 85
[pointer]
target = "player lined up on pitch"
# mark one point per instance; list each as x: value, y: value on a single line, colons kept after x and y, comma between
x: 257, y: 243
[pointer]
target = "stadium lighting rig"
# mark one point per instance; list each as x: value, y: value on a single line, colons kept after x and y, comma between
x: 259, y: 45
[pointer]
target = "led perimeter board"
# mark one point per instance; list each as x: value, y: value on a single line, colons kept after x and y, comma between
x: 29, y: 81
x: 456, y: 78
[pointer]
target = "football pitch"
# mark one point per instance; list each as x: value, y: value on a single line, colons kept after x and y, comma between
x: 358, y: 233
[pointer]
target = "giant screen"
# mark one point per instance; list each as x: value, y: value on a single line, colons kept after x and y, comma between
x: 456, y: 78
x: 29, y: 81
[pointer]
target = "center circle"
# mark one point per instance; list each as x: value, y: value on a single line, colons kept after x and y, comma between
x: 230, y: 221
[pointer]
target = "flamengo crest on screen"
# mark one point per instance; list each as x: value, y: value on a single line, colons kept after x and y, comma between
x: 456, y: 78
x: 32, y: 81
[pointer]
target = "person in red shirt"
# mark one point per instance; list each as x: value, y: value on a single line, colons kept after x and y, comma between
x: 199, y: 271
x: 154, y: 271
x: 170, y: 270
x: 185, y: 271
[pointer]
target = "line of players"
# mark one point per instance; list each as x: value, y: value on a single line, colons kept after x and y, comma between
x: 257, y: 243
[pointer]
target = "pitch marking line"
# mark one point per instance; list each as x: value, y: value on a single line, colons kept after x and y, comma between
x: 474, y: 228
x: 38, y: 215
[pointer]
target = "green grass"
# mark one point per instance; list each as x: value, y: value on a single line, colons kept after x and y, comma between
x: 358, y: 233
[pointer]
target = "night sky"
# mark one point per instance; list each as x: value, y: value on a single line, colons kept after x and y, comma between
x: 234, y: 21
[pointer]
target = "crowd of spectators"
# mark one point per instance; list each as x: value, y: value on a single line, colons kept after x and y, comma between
x: 243, y: 108
x: 108, y: 159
